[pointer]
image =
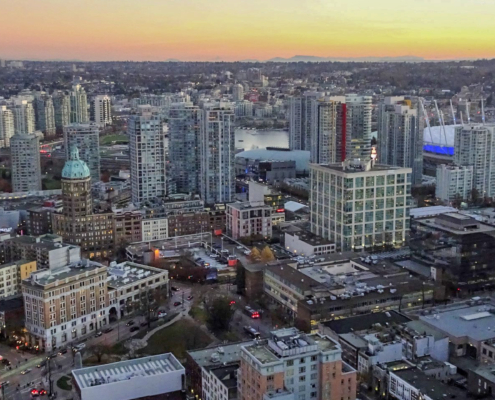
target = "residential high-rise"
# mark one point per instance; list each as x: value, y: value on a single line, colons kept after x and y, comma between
x: 358, y: 130
x: 301, y: 114
x: 290, y: 362
x: 183, y: 142
x: 358, y: 204
x: 328, y: 130
x: 454, y: 182
x: 400, y: 134
x: 102, y: 107
x: 475, y: 146
x: 78, y: 105
x: 61, y: 104
x: 6, y: 126
x: 45, y: 114
x: 237, y: 92
x: 77, y: 224
x: 24, y: 119
x: 217, y: 151
x: 147, y: 153
x: 86, y: 138
x: 25, y: 158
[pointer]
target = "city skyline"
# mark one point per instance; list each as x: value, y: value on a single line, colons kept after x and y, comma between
x: 208, y: 31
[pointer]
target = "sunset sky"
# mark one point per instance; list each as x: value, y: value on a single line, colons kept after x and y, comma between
x: 232, y: 30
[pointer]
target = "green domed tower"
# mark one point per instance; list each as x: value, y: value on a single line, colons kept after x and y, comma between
x: 76, y: 187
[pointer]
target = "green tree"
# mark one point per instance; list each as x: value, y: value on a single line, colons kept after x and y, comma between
x: 219, y: 314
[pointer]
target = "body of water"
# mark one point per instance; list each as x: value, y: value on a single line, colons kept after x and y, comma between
x: 253, y: 139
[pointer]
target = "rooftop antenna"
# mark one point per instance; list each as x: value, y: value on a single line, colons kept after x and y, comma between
x: 467, y: 112
x: 452, y: 111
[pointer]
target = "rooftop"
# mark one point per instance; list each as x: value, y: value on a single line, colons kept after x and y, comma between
x: 434, y: 389
x: 474, y: 322
x: 128, y: 272
x: 219, y: 354
x: 365, y: 322
x: 358, y: 168
x: 310, y: 238
x: 433, y: 211
x: 125, y: 370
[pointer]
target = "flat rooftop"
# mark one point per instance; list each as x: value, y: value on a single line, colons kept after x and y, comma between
x: 365, y: 322
x: 475, y: 322
x: 434, y: 389
x: 125, y: 370
x: 340, y: 168
x: 219, y: 354
x: 128, y: 272
x: 311, y: 238
x: 46, y: 277
x: 292, y: 277
x: 433, y: 211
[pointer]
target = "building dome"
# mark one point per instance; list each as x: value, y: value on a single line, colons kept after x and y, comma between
x: 75, y: 168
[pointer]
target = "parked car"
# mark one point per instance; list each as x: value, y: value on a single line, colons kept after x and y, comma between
x: 34, y: 392
x: 62, y: 351
x: 174, y: 289
x: 189, y: 297
x: 247, y: 252
x: 108, y: 330
x: 162, y: 314
x: 42, y: 392
x: 145, y: 323
x: 41, y: 364
x: 134, y: 328
x: 240, y: 247
x: 177, y: 303
x: 5, y: 361
x: 98, y: 334
x: 130, y: 323
x: 54, y: 355
x: 26, y: 371
x: 79, y: 347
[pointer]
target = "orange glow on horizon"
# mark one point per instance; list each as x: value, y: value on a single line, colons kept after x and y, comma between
x: 158, y: 30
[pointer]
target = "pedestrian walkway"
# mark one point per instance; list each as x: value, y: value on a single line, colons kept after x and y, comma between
x: 153, y: 331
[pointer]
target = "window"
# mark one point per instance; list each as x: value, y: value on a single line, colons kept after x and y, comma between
x: 290, y: 363
x: 302, y: 370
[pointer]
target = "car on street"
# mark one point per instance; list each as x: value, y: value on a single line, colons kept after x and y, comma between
x: 54, y: 355
x: 98, y: 334
x: 189, y: 297
x: 62, y: 351
x: 240, y: 247
x: 174, y: 289
x: 35, y: 393
x: 177, y: 303
x: 41, y: 364
x: 3, y: 384
x: 26, y: 371
x: 247, y: 252
x: 134, y: 329
x: 217, y: 246
x: 5, y: 361
x: 144, y: 323
x: 108, y: 330
x: 79, y: 347
x: 42, y: 392
x: 130, y: 323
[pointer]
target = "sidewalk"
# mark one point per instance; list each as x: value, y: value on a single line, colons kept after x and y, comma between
x: 153, y: 331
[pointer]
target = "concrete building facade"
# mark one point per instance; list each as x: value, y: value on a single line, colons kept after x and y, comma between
x: 86, y: 138
x: 454, y: 181
x: 25, y: 159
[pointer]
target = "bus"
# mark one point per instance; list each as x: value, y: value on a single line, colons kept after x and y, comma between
x: 252, y: 332
x: 254, y: 314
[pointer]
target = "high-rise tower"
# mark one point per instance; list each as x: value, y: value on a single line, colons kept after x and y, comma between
x: 86, y: 138
x: 25, y: 157
x: 78, y: 105
x: 358, y: 131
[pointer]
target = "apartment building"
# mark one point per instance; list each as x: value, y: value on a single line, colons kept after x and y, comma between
x: 87, y: 140
x: 154, y: 229
x: 11, y: 275
x: 128, y: 226
x: 26, y: 163
x: 359, y: 204
x: 454, y: 182
x: 358, y: 126
x: 102, y: 107
x: 308, y: 365
x: 65, y: 304
x: 249, y: 219
x: 6, y: 126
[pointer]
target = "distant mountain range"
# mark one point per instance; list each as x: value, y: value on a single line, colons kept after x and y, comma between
x: 348, y: 59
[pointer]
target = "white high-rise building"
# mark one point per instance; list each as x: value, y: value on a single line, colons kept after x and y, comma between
x: 328, y: 131
x: 78, y: 105
x: 301, y: 114
x: 358, y: 131
x: 237, y: 92
x: 454, y: 181
x: 6, y: 126
x: 24, y: 120
x: 25, y: 157
x: 243, y: 108
x: 86, y: 138
x: 475, y: 146
x: 102, y: 110
x: 183, y: 143
x: 147, y: 153
x: 360, y: 205
x: 400, y: 134
x: 45, y: 114
x: 217, y: 150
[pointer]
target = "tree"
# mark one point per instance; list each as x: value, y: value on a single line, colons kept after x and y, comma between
x: 99, y: 350
x: 267, y: 254
x: 475, y: 195
x: 255, y: 255
x: 219, y: 314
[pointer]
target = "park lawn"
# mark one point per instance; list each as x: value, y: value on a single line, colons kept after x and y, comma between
x: 178, y: 338
x: 108, y: 139
x: 198, y: 313
x: 52, y: 184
